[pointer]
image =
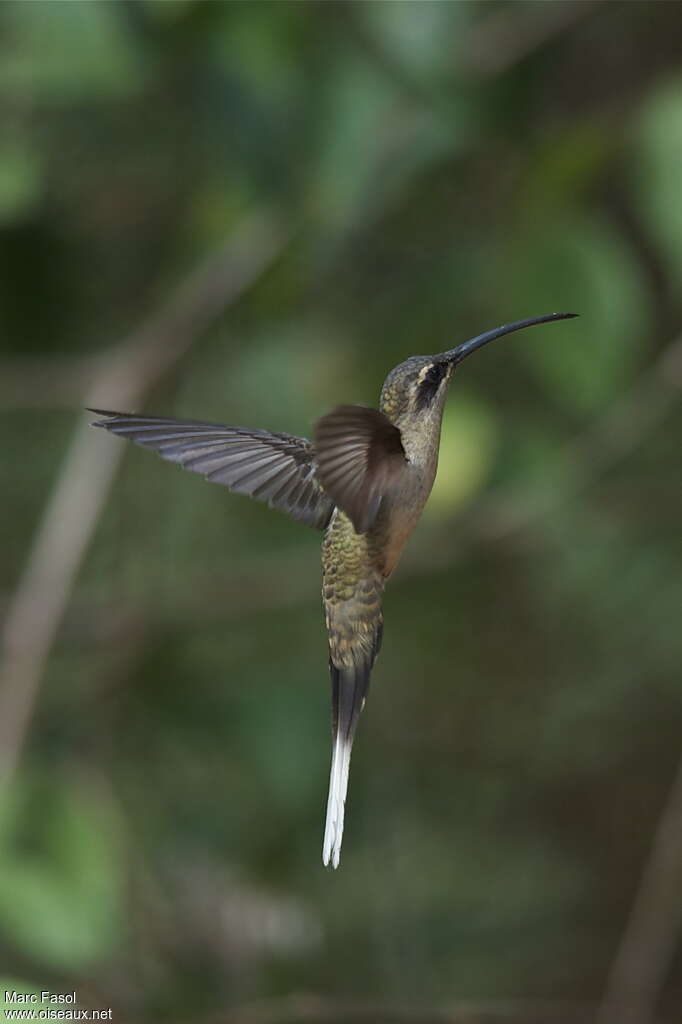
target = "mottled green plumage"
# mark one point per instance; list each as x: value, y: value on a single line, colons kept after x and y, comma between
x: 352, y: 584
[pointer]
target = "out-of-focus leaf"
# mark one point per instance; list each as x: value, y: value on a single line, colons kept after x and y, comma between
x: 59, y: 877
x: 282, y: 371
x: 105, y: 65
x: 371, y: 143
x: 418, y: 35
x: 259, y: 45
x: 657, y: 169
x: 20, y: 182
x: 167, y: 13
x: 563, y: 170
x: 577, y: 265
x: 467, y: 449
x: 353, y: 138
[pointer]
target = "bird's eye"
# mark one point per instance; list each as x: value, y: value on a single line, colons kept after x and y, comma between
x: 434, y: 374
x: 429, y: 384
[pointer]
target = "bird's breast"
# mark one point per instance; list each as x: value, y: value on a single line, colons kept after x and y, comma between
x: 349, y: 557
x: 399, y: 515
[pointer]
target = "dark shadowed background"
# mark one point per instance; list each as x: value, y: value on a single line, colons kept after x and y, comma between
x: 250, y: 213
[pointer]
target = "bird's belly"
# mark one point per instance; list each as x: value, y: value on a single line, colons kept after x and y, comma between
x: 400, y: 520
x: 396, y: 539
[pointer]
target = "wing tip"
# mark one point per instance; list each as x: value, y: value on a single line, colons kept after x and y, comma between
x: 107, y: 414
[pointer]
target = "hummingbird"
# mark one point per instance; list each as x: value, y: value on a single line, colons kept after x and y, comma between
x: 364, y: 481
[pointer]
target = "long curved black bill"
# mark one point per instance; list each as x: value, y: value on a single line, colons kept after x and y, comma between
x: 456, y: 355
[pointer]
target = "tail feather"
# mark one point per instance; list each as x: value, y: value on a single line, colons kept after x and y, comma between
x: 350, y: 686
x: 336, y: 802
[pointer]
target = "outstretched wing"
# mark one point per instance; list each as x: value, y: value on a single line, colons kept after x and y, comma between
x: 360, y: 457
x: 275, y: 468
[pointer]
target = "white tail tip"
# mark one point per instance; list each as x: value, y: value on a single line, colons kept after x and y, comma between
x: 336, y: 803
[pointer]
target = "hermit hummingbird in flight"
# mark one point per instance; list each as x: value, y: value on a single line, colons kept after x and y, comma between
x: 364, y: 480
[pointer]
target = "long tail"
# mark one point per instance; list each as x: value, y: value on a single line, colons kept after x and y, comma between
x: 349, y: 692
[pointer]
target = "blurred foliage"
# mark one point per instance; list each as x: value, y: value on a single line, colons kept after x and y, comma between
x: 59, y: 877
x: 160, y: 850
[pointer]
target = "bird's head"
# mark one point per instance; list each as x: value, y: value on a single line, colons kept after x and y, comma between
x: 417, y: 388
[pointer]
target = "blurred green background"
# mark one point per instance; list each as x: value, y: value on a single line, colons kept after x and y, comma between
x: 401, y: 176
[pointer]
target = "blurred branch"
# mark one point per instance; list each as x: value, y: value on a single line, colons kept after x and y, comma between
x: 491, y: 47
x: 506, y: 37
x: 81, y: 490
x: 48, y: 381
x: 652, y: 932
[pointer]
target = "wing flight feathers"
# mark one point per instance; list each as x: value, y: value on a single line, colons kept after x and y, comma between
x: 360, y: 456
x: 278, y: 469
